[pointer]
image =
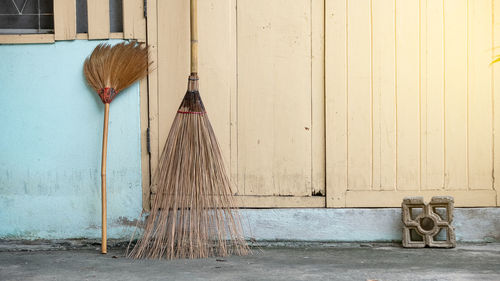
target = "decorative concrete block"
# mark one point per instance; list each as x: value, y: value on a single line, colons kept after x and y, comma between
x: 428, y: 224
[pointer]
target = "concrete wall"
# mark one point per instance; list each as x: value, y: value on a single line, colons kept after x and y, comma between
x: 359, y: 225
x: 50, y: 146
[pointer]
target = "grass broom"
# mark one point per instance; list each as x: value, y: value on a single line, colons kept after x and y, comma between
x: 192, y: 214
x: 109, y: 70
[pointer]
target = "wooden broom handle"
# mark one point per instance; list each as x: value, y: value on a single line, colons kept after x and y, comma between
x: 194, y: 36
x: 104, y: 246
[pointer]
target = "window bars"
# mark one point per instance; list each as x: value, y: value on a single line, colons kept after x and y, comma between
x: 26, y: 16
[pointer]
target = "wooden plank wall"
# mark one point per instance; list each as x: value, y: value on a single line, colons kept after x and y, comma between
x: 496, y: 96
x: 257, y: 63
x: 65, y: 21
x: 134, y: 23
x: 410, y: 101
x: 274, y: 98
x: 98, y: 19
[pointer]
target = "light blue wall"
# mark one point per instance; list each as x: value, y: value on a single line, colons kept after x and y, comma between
x: 50, y: 146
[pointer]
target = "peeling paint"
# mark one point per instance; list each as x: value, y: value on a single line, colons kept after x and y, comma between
x: 128, y: 222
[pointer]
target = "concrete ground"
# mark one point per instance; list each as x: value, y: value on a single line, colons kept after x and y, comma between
x: 270, y: 262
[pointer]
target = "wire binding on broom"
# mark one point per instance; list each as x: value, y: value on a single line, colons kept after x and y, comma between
x: 191, y: 112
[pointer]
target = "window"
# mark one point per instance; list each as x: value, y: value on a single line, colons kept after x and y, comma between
x: 47, y: 21
x: 116, y: 15
x: 26, y: 16
x: 81, y: 16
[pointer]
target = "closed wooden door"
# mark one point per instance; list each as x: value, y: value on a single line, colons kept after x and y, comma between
x: 412, y: 102
x: 261, y: 78
x: 383, y: 99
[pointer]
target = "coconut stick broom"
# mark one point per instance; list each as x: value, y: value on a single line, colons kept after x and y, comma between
x: 192, y: 214
x: 109, y: 70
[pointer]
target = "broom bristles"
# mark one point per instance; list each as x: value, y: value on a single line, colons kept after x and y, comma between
x: 117, y: 66
x: 192, y: 214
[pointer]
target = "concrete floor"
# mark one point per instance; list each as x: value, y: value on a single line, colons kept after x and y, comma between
x: 298, y: 262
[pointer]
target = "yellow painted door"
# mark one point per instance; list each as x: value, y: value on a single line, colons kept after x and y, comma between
x: 411, y: 101
x: 261, y: 78
x: 383, y: 99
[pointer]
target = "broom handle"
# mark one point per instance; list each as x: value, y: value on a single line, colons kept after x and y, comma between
x: 194, y: 36
x: 104, y: 248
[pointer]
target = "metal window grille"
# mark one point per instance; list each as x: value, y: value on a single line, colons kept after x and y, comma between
x: 26, y: 16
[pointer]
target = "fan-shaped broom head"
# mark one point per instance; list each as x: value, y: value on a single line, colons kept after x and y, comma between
x: 110, y: 69
x: 192, y: 214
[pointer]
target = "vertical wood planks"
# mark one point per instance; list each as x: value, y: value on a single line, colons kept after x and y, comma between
x: 423, y: 91
x: 359, y: 103
x: 274, y: 97
x: 384, y: 98
x: 336, y: 101
x: 256, y: 138
x: 434, y: 110
x: 171, y: 19
x: 408, y: 94
x: 408, y: 98
x: 173, y: 61
x: 98, y: 19
x: 496, y: 96
x: 439, y: 125
x: 234, y: 100
x: 456, y: 51
x: 134, y: 23
x: 480, y: 113
x: 65, y: 19
x: 215, y: 69
x: 318, y: 96
x: 153, y: 91
x: 216, y: 66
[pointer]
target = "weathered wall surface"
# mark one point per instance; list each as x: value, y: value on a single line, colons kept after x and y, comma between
x: 50, y: 146
x: 359, y: 225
